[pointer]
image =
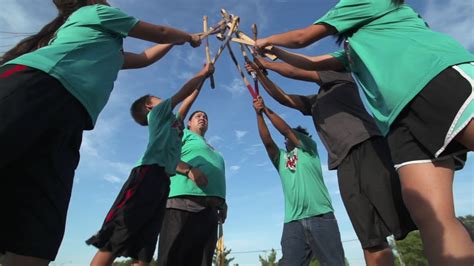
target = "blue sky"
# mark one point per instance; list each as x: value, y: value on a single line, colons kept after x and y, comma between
x: 254, y: 192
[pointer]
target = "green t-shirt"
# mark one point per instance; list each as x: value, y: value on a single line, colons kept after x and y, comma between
x: 305, y: 193
x: 198, y: 153
x: 85, y: 55
x: 393, y: 53
x: 164, y: 143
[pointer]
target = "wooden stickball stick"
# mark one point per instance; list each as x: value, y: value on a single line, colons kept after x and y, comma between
x: 233, y: 27
x: 208, y: 51
x: 241, y: 72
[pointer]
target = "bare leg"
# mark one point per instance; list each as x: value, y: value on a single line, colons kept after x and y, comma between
x: 428, y: 195
x: 381, y: 255
x: 102, y: 258
x: 12, y: 259
x: 466, y: 136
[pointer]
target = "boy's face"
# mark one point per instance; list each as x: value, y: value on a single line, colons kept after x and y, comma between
x: 198, y: 123
x: 154, y: 101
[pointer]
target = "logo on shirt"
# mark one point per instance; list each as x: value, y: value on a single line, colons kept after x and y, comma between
x: 291, y: 160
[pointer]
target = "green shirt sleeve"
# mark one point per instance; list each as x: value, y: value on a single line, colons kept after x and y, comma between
x: 348, y: 14
x: 115, y: 20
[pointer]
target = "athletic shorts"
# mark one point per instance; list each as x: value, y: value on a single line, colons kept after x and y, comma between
x: 371, y: 193
x: 425, y: 130
x: 41, y: 128
x: 132, y: 225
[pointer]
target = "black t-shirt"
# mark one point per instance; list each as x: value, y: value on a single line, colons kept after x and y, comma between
x: 339, y: 115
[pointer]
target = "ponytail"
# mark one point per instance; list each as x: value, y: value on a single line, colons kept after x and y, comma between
x: 34, y: 42
x: 44, y: 36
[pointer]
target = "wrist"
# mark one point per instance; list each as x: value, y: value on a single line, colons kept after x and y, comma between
x: 188, y: 170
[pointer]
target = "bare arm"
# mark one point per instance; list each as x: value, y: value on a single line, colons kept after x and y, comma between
x: 270, y: 146
x: 317, y: 63
x: 298, y: 38
x: 147, y: 57
x: 162, y: 34
x: 289, y: 100
x: 188, y: 102
x: 191, y: 85
x: 290, y: 71
x: 192, y: 173
x: 281, y: 126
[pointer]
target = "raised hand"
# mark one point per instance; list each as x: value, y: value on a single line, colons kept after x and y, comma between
x: 195, y: 40
x: 258, y: 104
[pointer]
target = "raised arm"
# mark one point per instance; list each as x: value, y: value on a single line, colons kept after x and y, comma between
x: 147, y: 57
x: 188, y: 102
x: 191, y: 85
x: 281, y: 125
x: 297, y: 38
x: 270, y: 146
x: 162, y: 34
x: 289, y: 100
x: 321, y: 62
x: 289, y: 71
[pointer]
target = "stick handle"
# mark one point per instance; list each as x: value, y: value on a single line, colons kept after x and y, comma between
x: 227, y: 40
x: 208, y: 51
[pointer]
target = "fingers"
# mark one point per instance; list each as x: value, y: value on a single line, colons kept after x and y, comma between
x: 195, y: 40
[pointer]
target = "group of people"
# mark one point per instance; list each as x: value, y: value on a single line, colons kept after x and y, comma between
x: 395, y: 166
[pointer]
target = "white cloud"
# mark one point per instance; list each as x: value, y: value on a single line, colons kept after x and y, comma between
x: 252, y: 150
x: 236, y: 87
x: 112, y: 179
x: 262, y: 164
x: 213, y: 140
x: 234, y: 168
x: 239, y: 134
x: 452, y: 17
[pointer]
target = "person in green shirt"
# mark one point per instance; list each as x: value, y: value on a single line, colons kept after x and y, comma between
x: 310, y: 227
x: 194, y: 199
x: 53, y: 85
x: 418, y: 84
x: 369, y: 185
x: 133, y: 223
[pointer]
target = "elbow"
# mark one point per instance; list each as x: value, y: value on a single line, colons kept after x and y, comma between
x: 302, y: 40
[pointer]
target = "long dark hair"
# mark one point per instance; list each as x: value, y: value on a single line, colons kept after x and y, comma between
x: 342, y: 36
x: 42, y: 38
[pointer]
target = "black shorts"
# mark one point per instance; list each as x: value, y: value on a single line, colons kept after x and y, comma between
x: 371, y: 192
x: 40, y: 136
x: 419, y: 133
x: 132, y: 225
x: 181, y: 244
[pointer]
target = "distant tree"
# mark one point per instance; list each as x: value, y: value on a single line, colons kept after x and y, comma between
x: 410, y: 250
x: 128, y: 262
x: 270, y: 260
x: 227, y: 260
x: 468, y: 222
x: 315, y: 262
